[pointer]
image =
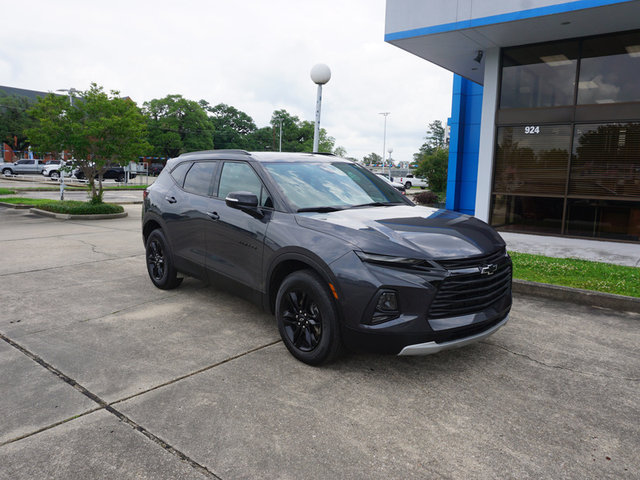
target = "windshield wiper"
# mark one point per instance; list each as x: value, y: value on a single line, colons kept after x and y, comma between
x: 320, y: 209
x: 375, y: 204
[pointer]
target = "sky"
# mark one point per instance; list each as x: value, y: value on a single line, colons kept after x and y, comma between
x: 255, y: 55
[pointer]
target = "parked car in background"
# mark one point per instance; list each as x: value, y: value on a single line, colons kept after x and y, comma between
x: 155, y: 169
x: 52, y: 170
x: 337, y: 254
x: 113, y: 172
x: 411, y: 181
x: 24, y: 166
x: 396, y: 185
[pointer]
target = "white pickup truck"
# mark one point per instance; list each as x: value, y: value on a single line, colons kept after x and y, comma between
x: 411, y: 181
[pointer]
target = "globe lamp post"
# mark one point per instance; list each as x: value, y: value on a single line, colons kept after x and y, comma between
x: 320, y: 74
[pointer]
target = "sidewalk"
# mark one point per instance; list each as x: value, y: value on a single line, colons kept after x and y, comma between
x: 627, y: 254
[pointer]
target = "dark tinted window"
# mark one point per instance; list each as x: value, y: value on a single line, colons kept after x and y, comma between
x: 240, y: 177
x: 199, y: 178
x: 539, y: 75
x: 606, y: 160
x: 532, y: 159
x: 609, y: 69
x: 179, y: 172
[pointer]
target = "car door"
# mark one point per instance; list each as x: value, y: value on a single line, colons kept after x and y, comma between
x: 22, y: 166
x: 235, y: 238
x: 185, y: 214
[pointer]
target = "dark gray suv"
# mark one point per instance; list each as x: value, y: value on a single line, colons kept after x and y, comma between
x: 338, y: 255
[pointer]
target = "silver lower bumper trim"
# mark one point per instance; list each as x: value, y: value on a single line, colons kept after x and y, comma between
x: 433, y: 347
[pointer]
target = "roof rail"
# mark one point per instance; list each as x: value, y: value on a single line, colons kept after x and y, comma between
x: 241, y: 152
x: 324, y: 153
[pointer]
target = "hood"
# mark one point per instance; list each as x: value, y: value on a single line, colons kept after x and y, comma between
x: 418, y: 232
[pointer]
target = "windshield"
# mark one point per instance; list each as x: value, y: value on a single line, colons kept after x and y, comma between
x: 327, y: 186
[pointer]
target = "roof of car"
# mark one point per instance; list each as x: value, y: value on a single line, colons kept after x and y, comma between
x: 263, y: 157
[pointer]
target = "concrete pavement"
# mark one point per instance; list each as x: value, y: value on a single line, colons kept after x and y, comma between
x: 104, y: 376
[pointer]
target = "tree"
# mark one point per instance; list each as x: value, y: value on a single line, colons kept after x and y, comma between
x: 434, y: 140
x: 434, y: 167
x: 177, y: 125
x: 372, y: 159
x: 232, y: 127
x: 98, y: 130
x: 14, y: 120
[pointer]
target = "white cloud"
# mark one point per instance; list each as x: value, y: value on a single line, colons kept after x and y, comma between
x: 252, y: 54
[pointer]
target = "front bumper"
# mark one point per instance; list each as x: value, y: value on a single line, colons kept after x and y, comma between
x: 429, y: 348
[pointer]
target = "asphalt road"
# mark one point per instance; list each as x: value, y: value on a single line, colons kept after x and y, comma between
x: 104, y: 376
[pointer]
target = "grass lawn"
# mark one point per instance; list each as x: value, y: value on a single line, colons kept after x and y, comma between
x: 569, y: 272
x: 6, y: 191
x: 72, y: 207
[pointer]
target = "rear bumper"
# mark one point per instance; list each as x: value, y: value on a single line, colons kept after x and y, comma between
x: 429, y: 348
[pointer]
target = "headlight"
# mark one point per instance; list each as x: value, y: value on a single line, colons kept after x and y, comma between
x: 399, y: 262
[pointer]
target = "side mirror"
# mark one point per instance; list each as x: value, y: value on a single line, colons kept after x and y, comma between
x: 242, y: 200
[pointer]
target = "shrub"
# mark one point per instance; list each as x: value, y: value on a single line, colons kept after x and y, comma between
x: 426, y: 198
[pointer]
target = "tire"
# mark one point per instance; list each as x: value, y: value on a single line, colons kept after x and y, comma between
x: 407, y: 185
x: 7, y: 171
x: 308, y: 319
x: 120, y: 178
x: 54, y: 175
x: 422, y: 188
x: 159, y: 262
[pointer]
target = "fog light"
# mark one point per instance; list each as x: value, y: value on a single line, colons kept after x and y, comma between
x: 387, y: 302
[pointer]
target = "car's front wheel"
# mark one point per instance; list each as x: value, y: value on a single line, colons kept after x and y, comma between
x: 307, y: 318
x: 159, y: 263
x: 7, y: 171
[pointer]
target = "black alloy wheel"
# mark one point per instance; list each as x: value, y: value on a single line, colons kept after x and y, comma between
x: 159, y: 264
x: 307, y: 318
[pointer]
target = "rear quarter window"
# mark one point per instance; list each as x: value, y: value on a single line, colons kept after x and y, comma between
x: 180, y: 171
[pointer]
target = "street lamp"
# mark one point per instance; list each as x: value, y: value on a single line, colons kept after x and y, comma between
x: 70, y: 91
x: 390, y: 150
x: 320, y: 74
x: 280, y: 120
x: 384, y: 138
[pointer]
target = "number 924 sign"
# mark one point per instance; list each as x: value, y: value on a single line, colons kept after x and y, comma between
x: 532, y: 129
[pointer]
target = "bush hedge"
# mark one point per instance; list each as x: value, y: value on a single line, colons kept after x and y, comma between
x: 426, y: 198
x: 71, y: 207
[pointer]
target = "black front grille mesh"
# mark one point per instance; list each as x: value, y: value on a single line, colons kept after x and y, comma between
x: 472, y: 292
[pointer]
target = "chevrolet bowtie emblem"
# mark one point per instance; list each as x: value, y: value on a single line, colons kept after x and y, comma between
x: 488, y: 269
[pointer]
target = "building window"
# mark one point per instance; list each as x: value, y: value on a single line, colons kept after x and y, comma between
x: 532, y: 159
x: 609, y: 70
x: 553, y: 171
x: 539, y: 76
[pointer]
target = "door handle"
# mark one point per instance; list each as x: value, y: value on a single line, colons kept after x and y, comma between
x: 213, y: 215
x: 170, y: 199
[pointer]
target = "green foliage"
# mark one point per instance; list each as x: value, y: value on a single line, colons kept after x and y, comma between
x: 177, y: 125
x: 99, y: 129
x: 71, y: 207
x: 14, y: 120
x: 6, y: 191
x: 434, y: 168
x: 372, y: 159
x: 601, y: 277
x: 232, y: 128
x: 434, y: 141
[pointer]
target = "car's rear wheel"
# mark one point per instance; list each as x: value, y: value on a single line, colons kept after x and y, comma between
x: 307, y: 318
x: 407, y: 185
x: 159, y: 263
x: 120, y: 178
x: 54, y: 175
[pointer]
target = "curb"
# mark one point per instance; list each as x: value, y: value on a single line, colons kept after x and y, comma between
x: 66, y: 216
x: 577, y: 295
x: 16, y: 206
